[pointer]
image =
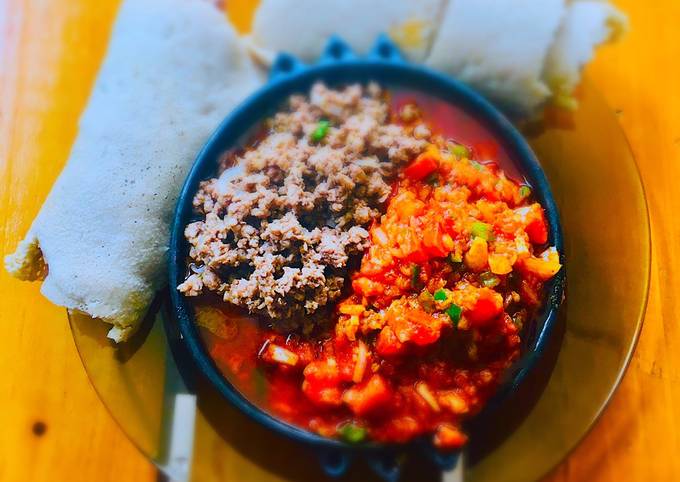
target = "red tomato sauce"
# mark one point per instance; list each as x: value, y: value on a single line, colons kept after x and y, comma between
x: 433, y: 315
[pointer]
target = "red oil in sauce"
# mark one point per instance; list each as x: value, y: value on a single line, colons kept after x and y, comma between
x: 455, y: 123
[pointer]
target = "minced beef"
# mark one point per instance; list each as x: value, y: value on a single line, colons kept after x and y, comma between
x: 276, y: 238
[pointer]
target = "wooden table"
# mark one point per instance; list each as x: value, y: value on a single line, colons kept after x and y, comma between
x: 53, y: 427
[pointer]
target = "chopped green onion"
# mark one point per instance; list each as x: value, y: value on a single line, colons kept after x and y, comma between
x: 440, y: 295
x: 524, y: 191
x: 489, y: 279
x: 477, y: 165
x: 352, y: 433
x: 482, y: 230
x: 320, y: 131
x: 454, y: 311
x: 415, y: 275
x: 460, y: 151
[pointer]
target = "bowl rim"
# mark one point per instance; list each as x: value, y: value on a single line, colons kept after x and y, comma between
x: 295, y: 78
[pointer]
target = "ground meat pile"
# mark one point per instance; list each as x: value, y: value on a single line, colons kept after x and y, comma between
x: 276, y: 237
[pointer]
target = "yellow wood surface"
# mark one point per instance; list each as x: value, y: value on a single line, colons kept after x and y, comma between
x: 49, y: 54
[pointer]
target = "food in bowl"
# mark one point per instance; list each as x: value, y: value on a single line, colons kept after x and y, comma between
x: 277, y: 239
x: 430, y: 301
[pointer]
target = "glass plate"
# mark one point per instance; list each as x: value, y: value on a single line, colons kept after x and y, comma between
x: 597, y: 187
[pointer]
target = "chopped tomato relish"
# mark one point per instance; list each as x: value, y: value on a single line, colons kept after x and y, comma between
x: 433, y: 316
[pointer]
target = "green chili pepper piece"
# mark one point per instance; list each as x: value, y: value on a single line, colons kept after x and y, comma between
x: 482, y: 230
x: 352, y: 433
x: 320, y: 131
x: 524, y: 191
x: 460, y: 151
x: 454, y: 311
x: 440, y: 295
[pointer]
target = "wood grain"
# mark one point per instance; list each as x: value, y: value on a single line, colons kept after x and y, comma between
x: 638, y: 437
x: 53, y: 426
x: 49, y: 55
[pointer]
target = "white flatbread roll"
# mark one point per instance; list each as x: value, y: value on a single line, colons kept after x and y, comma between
x: 301, y: 27
x: 585, y: 25
x: 173, y: 70
x: 499, y: 47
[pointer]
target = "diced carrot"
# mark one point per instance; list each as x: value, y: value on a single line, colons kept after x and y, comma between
x: 351, y: 309
x: 425, y: 328
x: 278, y: 354
x: 535, y: 223
x: 388, y: 344
x: 405, y: 205
x: 453, y: 401
x: 368, y: 396
x: 367, y: 287
x: 478, y: 255
x: 500, y: 263
x: 321, y: 383
x: 538, y: 230
x: 544, y: 267
x: 488, y: 306
x: 447, y: 242
x: 331, y: 396
x: 423, y: 166
x: 448, y: 437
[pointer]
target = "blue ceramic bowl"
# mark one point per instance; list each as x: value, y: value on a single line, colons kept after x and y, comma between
x: 339, y: 65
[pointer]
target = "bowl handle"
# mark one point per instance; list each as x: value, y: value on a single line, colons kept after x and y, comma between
x: 284, y: 65
x: 444, y: 461
x: 334, y: 462
x: 336, y: 50
x: 386, y: 465
x: 385, y: 49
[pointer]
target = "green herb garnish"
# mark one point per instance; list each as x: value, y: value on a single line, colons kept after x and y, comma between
x: 352, y: 433
x: 482, y: 230
x: 454, y: 311
x: 440, y: 295
x: 460, y: 151
x: 320, y: 131
x: 524, y: 191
